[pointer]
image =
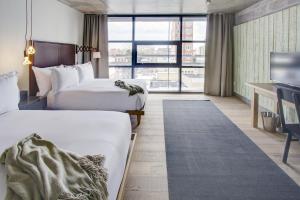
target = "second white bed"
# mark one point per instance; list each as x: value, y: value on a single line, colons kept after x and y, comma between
x: 98, y: 94
x: 81, y: 132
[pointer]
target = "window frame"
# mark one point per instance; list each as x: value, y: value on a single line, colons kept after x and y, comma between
x: 178, y: 43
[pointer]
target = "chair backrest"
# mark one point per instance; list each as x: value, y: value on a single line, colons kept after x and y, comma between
x: 296, y: 96
x: 290, y: 95
x: 281, y: 95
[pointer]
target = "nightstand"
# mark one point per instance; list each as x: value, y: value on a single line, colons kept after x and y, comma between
x: 33, y: 103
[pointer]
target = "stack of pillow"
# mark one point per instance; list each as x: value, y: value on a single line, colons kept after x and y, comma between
x: 57, y: 78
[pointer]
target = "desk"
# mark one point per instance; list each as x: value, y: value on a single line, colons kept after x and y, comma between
x: 267, y: 90
x: 263, y: 89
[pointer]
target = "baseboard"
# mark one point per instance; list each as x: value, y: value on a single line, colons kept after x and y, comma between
x: 243, y: 99
x: 248, y: 102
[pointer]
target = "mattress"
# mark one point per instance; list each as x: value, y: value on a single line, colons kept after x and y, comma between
x: 98, y: 94
x: 81, y: 132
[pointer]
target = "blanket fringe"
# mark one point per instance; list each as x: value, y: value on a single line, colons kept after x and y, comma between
x: 93, y: 165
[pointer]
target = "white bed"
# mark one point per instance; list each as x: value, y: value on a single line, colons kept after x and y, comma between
x: 98, y: 94
x: 81, y: 132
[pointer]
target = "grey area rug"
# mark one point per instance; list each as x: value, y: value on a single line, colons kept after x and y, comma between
x: 210, y: 158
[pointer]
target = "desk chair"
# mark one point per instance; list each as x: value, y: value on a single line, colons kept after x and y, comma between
x: 293, y: 130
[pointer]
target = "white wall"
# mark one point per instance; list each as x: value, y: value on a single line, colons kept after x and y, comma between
x: 52, y: 21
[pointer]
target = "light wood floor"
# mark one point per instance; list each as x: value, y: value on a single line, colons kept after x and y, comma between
x: 148, y: 174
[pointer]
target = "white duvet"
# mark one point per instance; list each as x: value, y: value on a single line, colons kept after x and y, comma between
x: 81, y: 132
x: 98, y: 94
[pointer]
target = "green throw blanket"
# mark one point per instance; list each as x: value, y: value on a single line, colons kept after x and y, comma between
x: 38, y: 170
x: 133, y: 89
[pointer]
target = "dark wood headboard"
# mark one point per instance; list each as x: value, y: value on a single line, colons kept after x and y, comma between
x: 49, y: 54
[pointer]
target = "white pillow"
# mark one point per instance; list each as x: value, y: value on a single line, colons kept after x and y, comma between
x: 63, y: 78
x: 43, y: 79
x: 10, y: 94
x: 85, y: 72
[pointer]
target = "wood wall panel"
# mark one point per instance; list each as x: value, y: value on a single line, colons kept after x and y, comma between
x: 298, y: 29
x: 292, y: 29
x: 255, y: 40
x: 263, y: 8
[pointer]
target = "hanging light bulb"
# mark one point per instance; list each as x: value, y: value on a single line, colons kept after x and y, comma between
x: 30, y: 50
x: 26, y: 60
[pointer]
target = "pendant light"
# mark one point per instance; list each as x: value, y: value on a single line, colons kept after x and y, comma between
x: 26, y: 61
x: 26, y: 57
x: 30, y: 49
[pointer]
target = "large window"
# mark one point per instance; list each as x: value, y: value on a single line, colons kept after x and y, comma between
x: 167, y: 52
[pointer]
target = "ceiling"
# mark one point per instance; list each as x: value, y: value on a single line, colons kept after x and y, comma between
x: 157, y: 6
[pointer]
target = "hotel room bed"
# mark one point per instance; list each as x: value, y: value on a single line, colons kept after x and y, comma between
x: 98, y: 94
x: 81, y: 132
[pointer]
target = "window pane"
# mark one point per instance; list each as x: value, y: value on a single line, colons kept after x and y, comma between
x: 156, y: 53
x: 157, y: 28
x: 120, y: 72
x: 159, y: 79
x: 120, y: 54
x: 192, y: 79
x: 119, y: 28
x: 193, y: 54
x: 194, y: 28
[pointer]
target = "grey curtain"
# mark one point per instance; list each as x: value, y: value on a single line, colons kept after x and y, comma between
x: 219, y: 55
x: 95, y: 35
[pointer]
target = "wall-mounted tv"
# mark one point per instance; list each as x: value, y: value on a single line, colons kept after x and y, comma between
x: 285, y: 68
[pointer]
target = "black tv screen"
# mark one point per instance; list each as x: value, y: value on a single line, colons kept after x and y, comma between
x: 285, y: 68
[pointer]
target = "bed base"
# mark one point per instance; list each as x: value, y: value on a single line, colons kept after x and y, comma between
x: 126, y: 172
x: 138, y: 114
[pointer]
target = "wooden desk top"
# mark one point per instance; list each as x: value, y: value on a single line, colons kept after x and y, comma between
x: 266, y: 88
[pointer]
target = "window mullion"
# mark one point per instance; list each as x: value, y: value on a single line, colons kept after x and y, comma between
x: 133, y: 53
x: 180, y: 57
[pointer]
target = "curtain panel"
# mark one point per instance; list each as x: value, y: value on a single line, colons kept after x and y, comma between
x: 219, y: 55
x: 95, y: 35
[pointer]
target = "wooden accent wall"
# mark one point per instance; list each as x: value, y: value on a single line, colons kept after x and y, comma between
x: 253, y: 42
x: 263, y: 8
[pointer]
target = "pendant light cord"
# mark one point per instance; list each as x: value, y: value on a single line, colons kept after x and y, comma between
x: 26, y: 25
x: 31, y: 21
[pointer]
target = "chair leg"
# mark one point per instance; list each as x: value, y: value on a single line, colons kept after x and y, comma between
x: 287, y: 148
